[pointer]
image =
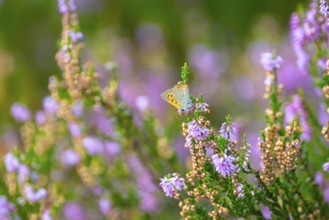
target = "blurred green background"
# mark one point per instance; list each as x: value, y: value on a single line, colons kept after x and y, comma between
x: 29, y: 30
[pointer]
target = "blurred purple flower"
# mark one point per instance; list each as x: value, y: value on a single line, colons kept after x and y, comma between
x: 324, y: 8
x: 77, y: 109
x: 112, y: 148
x: 326, y: 195
x: 100, y: 121
x: 224, y: 165
x: 296, y: 108
x: 20, y: 112
x: 5, y: 208
x: 23, y: 173
x: 240, y: 190
x: 92, y: 145
x: 142, y: 103
x: 35, y: 196
x: 209, y: 63
x: 149, y: 36
x: 70, y: 158
x: 148, y: 202
x: 266, y: 211
x: 74, y: 129
x: 75, y: 36
x: 11, y: 162
x: 319, y: 179
x: 40, y: 117
x: 73, y: 211
x: 50, y: 105
x: 322, y: 114
x: 66, y: 6
x: 325, y: 167
x: 104, y: 206
x: 46, y: 215
x: 271, y: 62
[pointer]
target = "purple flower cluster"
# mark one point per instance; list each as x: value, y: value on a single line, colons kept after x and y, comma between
x: 13, y: 165
x: 224, y: 165
x: 227, y: 130
x: 197, y: 132
x: 270, y: 62
x: 304, y: 33
x: 35, y: 196
x: 66, y: 6
x: 296, y: 108
x: 20, y: 112
x: 6, y: 208
x: 74, y: 36
x: 324, y: 8
x: 170, y: 185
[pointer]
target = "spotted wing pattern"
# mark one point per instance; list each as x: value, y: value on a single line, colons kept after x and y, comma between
x: 170, y: 98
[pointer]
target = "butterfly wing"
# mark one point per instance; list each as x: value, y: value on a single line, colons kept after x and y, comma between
x: 182, y: 95
x: 169, y: 97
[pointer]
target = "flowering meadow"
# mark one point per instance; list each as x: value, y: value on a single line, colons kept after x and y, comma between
x: 166, y: 124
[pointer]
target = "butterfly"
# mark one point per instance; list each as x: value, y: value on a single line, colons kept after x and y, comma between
x: 178, y: 96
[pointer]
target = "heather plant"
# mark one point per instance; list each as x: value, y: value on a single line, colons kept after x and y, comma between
x: 88, y: 145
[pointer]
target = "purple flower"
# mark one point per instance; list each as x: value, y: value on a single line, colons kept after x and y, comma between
x: 266, y: 211
x: 20, y: 113
x: 75, y: 129
x: 66, y: 6
x: 50, y: 105
x: 325, y: 167
x: 40, y: 117
x: 92, y: 145
x: 240, y: 191
x: 197, y: 132
x: 167, y: 187
x: 5, y: 208
x: 142, y: 103
x: 104, y: 206
x: 75, y: 36
x: 46, y: 215
x: 318, y: 178
x: 201, y: 106
x: 270, y: 62
x: 224, y: 165
x: 324, y: 8
x: 77, y: 109
x: 74, y: 211
x: 296, y: 108
x: 227, y: 130
x: 23, y: 173
x: 177, y: 182
x: 112, y: 148
x: 11, y: 162
x: 70, y: 158
x: 35, y: 196
x: 189, y: 141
